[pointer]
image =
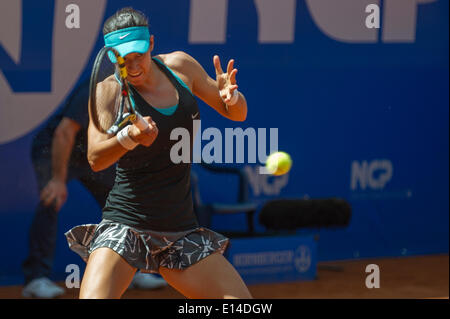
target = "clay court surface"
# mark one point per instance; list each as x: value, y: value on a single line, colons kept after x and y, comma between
x: 419, y: 277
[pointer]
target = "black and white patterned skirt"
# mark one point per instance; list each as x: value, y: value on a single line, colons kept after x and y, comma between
x: 147, y: 250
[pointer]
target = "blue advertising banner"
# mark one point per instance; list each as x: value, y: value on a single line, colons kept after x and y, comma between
x: 356, y: 91
x: 274, y: 259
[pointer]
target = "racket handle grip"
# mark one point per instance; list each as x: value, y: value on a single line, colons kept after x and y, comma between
x: 139, y: 121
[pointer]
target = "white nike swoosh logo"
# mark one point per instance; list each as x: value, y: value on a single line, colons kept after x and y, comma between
x: 124, y: 36
x: 194, y: 116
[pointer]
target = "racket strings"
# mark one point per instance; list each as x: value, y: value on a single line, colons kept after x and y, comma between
x: 106, y: 87
x: 107, y: 108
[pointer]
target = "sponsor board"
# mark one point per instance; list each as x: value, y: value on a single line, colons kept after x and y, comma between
x: 274, y: 259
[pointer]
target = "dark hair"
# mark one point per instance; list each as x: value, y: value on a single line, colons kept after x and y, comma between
x: 125, y: 18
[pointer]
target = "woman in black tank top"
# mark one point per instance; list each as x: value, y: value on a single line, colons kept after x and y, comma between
x: 148, y: 220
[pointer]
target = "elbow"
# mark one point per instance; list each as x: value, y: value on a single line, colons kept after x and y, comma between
x: 98, y: 164
x: 93, y: 158
x: 94, y: 163
x: 241, y: 117
x: 95, y: 168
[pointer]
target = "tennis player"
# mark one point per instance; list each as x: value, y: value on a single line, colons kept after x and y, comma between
x: 148, y: 219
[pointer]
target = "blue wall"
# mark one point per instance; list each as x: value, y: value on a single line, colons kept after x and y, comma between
x: 341, y: 108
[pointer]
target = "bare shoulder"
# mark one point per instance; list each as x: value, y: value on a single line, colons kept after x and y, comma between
x: 176, y: 59
x: 181, y: 62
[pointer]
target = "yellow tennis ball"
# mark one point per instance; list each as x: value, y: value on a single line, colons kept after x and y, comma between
x: 278, y: 163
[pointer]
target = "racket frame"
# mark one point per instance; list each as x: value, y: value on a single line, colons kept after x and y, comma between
x: 125, y: 95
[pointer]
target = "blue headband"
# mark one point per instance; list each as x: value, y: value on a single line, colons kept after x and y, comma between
x: 128, y: 40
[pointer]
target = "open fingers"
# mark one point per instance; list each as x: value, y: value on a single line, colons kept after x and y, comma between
x: 233, y: 76
x: 217, y: 65
x: 230, y: 66
x: 228, y: 95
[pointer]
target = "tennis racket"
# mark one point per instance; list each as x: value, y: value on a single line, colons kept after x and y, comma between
x: 112, y: 108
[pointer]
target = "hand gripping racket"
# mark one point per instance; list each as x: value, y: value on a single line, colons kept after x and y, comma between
x: 104, y: 68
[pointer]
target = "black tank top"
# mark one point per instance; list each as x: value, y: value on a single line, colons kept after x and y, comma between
x: 150, y: 191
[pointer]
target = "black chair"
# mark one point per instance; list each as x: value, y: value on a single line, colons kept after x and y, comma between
x: 294, y: 213
x: 290, y: 215
x: 205, y: 211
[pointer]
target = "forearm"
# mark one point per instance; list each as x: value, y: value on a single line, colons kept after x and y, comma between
x: 238, y: 111
x: 62, y: 145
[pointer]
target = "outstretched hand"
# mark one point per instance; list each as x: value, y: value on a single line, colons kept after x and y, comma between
x: 226, y: 82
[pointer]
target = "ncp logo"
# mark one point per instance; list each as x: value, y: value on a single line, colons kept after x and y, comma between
x: 265, y: 184
x: 41, y: 59
x: 373, y: 174
x: 302, y: 258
